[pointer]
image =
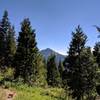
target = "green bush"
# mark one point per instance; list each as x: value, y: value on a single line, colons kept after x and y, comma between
x: 9, y: 73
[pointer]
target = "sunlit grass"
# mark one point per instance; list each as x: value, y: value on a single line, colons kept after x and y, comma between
x: 24, y: 92
x: 37, y: 93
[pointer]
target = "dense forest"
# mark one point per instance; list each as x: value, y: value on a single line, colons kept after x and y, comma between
x: 22, y: 63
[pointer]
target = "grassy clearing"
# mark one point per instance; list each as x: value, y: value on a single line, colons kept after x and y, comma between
x: 23, y: 92
x: 37, y: 93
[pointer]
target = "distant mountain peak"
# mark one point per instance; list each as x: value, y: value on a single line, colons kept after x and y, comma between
x: 47, y: 49
x: 47, y: 52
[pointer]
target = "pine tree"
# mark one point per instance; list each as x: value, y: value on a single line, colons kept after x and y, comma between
x: 5, y: 24
x: 79, y: 64
x: 11, y: 47
x: 96, y: 53
x: 7, y: 39
x: 53, y: 75
x: 26, y: 53
x: 41, y: 71
x: 2, y: 49
x: 61, y: 69
x: 89, y: 72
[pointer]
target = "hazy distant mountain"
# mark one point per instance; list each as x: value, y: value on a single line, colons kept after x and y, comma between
x: 47, y: 52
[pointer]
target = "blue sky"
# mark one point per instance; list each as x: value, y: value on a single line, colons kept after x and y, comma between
x: 54, y: 20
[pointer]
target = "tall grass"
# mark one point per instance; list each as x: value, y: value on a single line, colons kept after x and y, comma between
x: 37, y: 93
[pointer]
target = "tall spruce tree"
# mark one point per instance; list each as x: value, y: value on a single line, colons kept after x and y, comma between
x: 11, y: 47
x: 61, y: 69
x: 2, y: 49
x: 7, y: 41
x: 96, y: 53
x: 41, y: 71
x: 89, y: 73
x: 79, y: 64
x: 26, y: 53
x: 5, y: 24
x: 53, y: 75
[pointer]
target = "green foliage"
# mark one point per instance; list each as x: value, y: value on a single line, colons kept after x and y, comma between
x: 89, y: 72
x: 7, y: 74
x: 4, y: 27
x: 29, y: 93
x: 6, y: 77
x: 25, y: 92
x: 26, y: 52
x: 53, y: 75
x: 61, y: 69
x: 41, y: 72
x: 26, y: 65
x: 80, y: 67
x: 28, y: 62
x: 11, y: 46
x: 5, y: 24
x: 96, y: 52
x: 98, y: 89
x: 7, y: 42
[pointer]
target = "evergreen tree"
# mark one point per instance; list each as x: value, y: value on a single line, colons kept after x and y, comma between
x: 41, y: 71
x: 96, y: 53
x: 26, y: 53
x: 53, y: 75
x: 7, y: 41
x: 5, y: 24
x: 61, y: 69
x: 79, y: 64
x: 2, y: 49
x: 11, y: 47
x: 89, y: 72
